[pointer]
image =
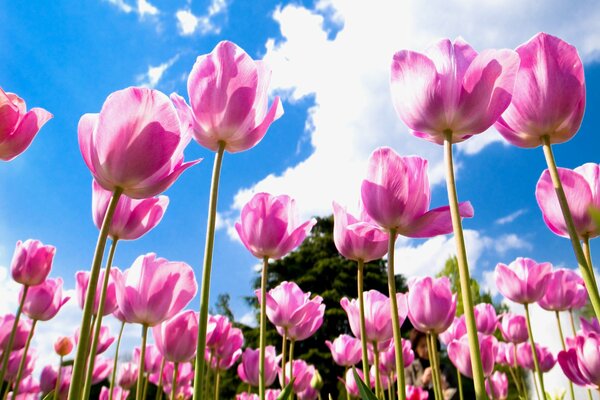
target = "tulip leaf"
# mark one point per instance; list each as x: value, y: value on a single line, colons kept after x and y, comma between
x: 48, y: 396
x: 287, y: 391
x: 365, y: 392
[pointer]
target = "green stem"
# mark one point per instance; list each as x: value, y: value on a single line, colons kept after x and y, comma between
x: 205, y: 290
x: 536, y: 362
x: 572, y: 320
x: 58, y: 378
x: 291, y: 362
x: 520, y: 375
x: 378, y: 389
x: 463, y: 269
x: 283, y: 348
x: 79, y: 367
x: 584, y: 267
x: 146, y: 379
x: 207, y: 377
x: 460, y: 386
x: 97, y: 326
x: 15, y: 391
x: 588, y: 256
x: 392, y: 390
x: 434, y: 377
x: 433, y: 357
x: 361, y: 306
x: 516, y: 381
x: 395, y: 319
x: 263, y: 328
x: 217, y: 379
x: 159, y: 390
x: 564, y: 347
x: 140, y: 381
x: 13, y: 333
x: 115, y: 363
x: 174, y: 381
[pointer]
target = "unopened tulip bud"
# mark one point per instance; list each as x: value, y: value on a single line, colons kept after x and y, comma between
x: 63, y: 346
x: 316, y: 382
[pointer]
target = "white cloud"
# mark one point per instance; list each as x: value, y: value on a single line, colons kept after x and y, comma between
x: 510, y: 217
x: 249, y: 319
x: 142, y: 7
x: 209, y: 22
x: 155, y: 73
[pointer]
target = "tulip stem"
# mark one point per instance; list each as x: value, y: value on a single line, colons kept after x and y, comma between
x: 208, y: 253
x: 174, y: 381
x: 15, y: 391
x: 217, y: 379
x: 115, y: 362
x: 291, y: 362
x: 283, y: 351
x: 536, y: 361
x: 517, y: 381
x: 463, y: 269
x: 435, y: 362
x: 263, y: 328
x: 79, y: 366
x: 146, y: 378
x: 588, y: 256
x: 395, y: 319
x: 564, y: 347
x: 361, y: 306
x: 392, y: 390
x: 434, y: 376
x: 460, y: 386
x: 572, y: 320
x: 378, y: 389
x: 584, y: 266
x: 97, y: 325
x: 13, y: 333
x: 207, y: 377
x: 519, y: 374
x: 57, y: 385
x: 159, y: 390
x: 140, y: 381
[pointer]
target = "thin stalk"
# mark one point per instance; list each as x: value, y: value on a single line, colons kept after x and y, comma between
x: 97, y: 326
x: 217, y: 379
x: 291, y: 360
x: 205, y: 290
x: 584, y: 267
x: 536, y: 362
x: 283, y: 348
x: 517, y: 382
x: 463, y: 271
x: 378, y: 388
x: 15, y: 391
x: 518, y: 372
x: 146, y: 379
x: 392, y: 390
x: 79, y: 367
x: 206, y: 378
x: 395, y: 319
x: 263, y: 328
x: 115, y: 363
x: 564, y: 347
x: 159, y: 390
x: 58, y: 378
x: 433, y: 358
x: 140, y: 381
x: 13, y: 333
x: 492, y: 394
x: 434, y: 376
x: 174, y: 381
x: 588, y: 256
x: 572, y: 320
x: 361, y: 306
x: 460, y: 386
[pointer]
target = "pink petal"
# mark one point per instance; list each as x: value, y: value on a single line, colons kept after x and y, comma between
x: 436, y: 222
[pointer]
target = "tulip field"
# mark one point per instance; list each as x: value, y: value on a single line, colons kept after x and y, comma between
x: 429, y: 340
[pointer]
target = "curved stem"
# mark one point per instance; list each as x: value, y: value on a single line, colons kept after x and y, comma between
x: 520, y: 375
x: 174, y: 381
x: 15, y: 391
x: 517, y: 381
x: 536, y: 361
x: 361, y: 306
x: 564, y: 347
x: 217, y: 379
x: 58, y: 378
x: 140, y: 381
x: 263, y: 328
x: 460, y: 386
x: 205, y: 290
x: 283, y: 351
x: 115, y: 363
x: 584, y: 267
x: 395, y: 319
x: 79, y: 367
x: 434, y: 376
x: 159, y: 390
x: 13, y: 333
x: 378, y: 389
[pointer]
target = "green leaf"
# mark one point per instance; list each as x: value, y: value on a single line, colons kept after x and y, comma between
x: 287, y: 391
x: 48, y: 396
x: 365, y: 392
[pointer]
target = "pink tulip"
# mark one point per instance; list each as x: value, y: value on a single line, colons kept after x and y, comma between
x: 582, y: 189
x: 82, y: 279
x: 523, y: 281
x: 431, y: 304
x: 6, y: 324
x: 581, y: 298
x: 152, y: 360
x: 485, y: 318
x: 32, y: 261
x: 383, y: 378
x: 396, y: 195
x: 525, y: 357
x: 350, y: 382
x: 176, y: 337
x: 248, y: 368
x: 309, y: 325
x: 458, y: 352
x: 455, y: 331
x: 562, y: 290
x: 132, y: 218
x: 127, y: 375
x: 357, y: 239
x: 270, y: 227
x: 302, y: 372
x: 102, y: 369
x: 501, y: 354
x: 345, y: 350
x: 416, y: 393
x: 308, y: 394
x: 509, y: 354
x: 118, y: 393
x: 514, y: 328
x: 378, y: 324
x: 185, y: 374
x: 387, y: 357
x: 589, y: 326
x: 496, y: 386
x: 549, y: 95
x: 225, y: 355
x: 104, y: 341
x: 48, y: 379
x: 18, y: 126
x: 217, y: 330
x: 271, y: 394
x: 29, y: 389
x: 13, y: 364
x: 581, y: 363
x: 154, y: 289
x: 45, y: 300
x: 135, y: 143
x: 452, y: 88
x: 228, y: 94
x: 63, y: 346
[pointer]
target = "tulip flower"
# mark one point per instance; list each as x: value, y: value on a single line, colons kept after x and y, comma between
x: 387, y: 357
x: 21, y: 331
x: 590, y: 326
x: 176, y: 337
x: 228, y: 352
x: 63, y: 346
x: 580, y: 363
x: 350, y: 382
x: 458, y: 352
x: 523, y: 281
x: 383, y: 378
x: 82, y: 279
x: 562, y: 290
x: 302, y: 373
x: 248, y: 368
x: 271, y: 394
x: 218, y: 328
x: 104, y: 340
x: 431, y: 304
x: 152, y: 360
x: 310, y: 324
x: 345, y: 350
x: 49, y: 378
x: 525, y: 357
x: 455, y: 331
x: 14, y: 361
x: 117, y: 394
x: 514, y: 328
x: 45, y: 300
x: 501, y: 354
x: 416, y: 393
x: 485, y: 318
x: 32, y: 261
x: 181, y: 375
x: 496, y: 386
x: 127, y: 375
x: 287, y: 305
x: 102, y: 369
x: 18, y: 126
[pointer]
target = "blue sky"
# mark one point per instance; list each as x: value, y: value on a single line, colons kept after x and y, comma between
x: 330, y: 62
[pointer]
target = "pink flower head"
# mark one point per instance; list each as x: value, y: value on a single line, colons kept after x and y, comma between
x: 29, y: 389
x: 350, y: 382
x: 455, y: 331
x: 176, y: 337
x: 525, y: 357
x: 154, y: 289
x: 230, y: 350
x: 396, y: 195
x: 458, y: 352
x: 63, y: 346
x: 308, y: 326
x: 549, y: 94
x: 152, y: 360
x: 308, y: 394
x: 32, y: 260
x: 514, y: 328
x: 562, y: 291
x: 288, y: 306
x: 431, y: 304
x: 6, y: 324
x: 127, y: 375
x: 270, y: 394
x: 581, y: 297
x: 135, y: 143
x: 387, y: 357
x: 452, y: 88
x: 228, y: 94
x: 581, y: 362
x: 523, y: 281
x: 18, y: 126
x: 248, y: 368
x: 217, y: 330
x: 133, y: 218
x: 345, y: 350
x: 582, y: 189
x: 118, y: 393
x: 383, y: 378
x: 104, y: 341
x: 486, y: 318
x: 590, y: 326
x: 48, y: 379
x: 82, y: 279
x: 185, y: 374
x: 416, y: 393
x: 14, y: 360
x: 102, y: 369
x: 378, y: 323
x: 496, y: 386
x: 355, y: 239
x: 302, y: 372
x: 501, y: 354
x: 45, y: 300
x: 270, y: 227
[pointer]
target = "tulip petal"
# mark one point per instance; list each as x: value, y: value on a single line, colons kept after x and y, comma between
x: 436, y: 222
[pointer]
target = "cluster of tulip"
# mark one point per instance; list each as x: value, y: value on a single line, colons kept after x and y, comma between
x: 534, y: 96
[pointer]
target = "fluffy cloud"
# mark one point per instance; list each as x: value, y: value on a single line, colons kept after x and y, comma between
x: 209, y: 22
x: 153, y: 76
x: 510, y: 217
x: 141, y: 7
